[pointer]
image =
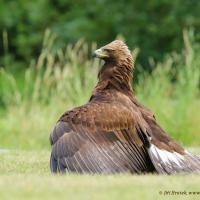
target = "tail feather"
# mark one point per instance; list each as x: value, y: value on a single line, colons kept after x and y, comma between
x: 167, y: 162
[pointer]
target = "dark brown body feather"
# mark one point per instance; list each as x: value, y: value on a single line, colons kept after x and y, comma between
x: 113, y: 132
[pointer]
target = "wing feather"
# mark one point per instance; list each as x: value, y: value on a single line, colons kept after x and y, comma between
x: 85, y: 148
x: 167, y: 156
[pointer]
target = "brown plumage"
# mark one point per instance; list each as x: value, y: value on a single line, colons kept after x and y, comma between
x: 113, y: 132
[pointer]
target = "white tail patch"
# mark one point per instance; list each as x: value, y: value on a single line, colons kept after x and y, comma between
x: 165, y: 161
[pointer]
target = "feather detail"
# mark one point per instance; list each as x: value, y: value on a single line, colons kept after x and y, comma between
x: 167, y: 162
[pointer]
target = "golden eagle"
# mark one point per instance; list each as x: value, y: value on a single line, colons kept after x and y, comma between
x: 113, y: 132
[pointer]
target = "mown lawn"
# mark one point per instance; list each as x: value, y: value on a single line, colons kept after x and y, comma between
x: 25, y: 175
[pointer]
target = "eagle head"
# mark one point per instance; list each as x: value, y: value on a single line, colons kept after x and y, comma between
x: 116, y: 51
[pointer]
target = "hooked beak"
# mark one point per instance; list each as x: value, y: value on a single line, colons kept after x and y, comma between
x: 99, y: 54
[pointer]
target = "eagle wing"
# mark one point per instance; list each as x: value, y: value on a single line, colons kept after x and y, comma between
x: 167, y: 156
x: 99, y: 137
x: 109, y: 137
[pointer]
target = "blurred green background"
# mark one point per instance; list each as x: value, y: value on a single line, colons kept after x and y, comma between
x: 45, y: 64
x: 155, y: 25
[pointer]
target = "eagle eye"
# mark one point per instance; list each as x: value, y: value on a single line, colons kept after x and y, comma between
x: 108, y: 50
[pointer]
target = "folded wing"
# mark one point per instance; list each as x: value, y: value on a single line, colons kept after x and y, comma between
x: 85, y: 142
x: 167, y: 156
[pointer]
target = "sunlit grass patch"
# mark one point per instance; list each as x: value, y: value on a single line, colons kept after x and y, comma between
x: 26, y: 175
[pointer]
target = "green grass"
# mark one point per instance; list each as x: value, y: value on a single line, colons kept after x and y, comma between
x: 26, y: 175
